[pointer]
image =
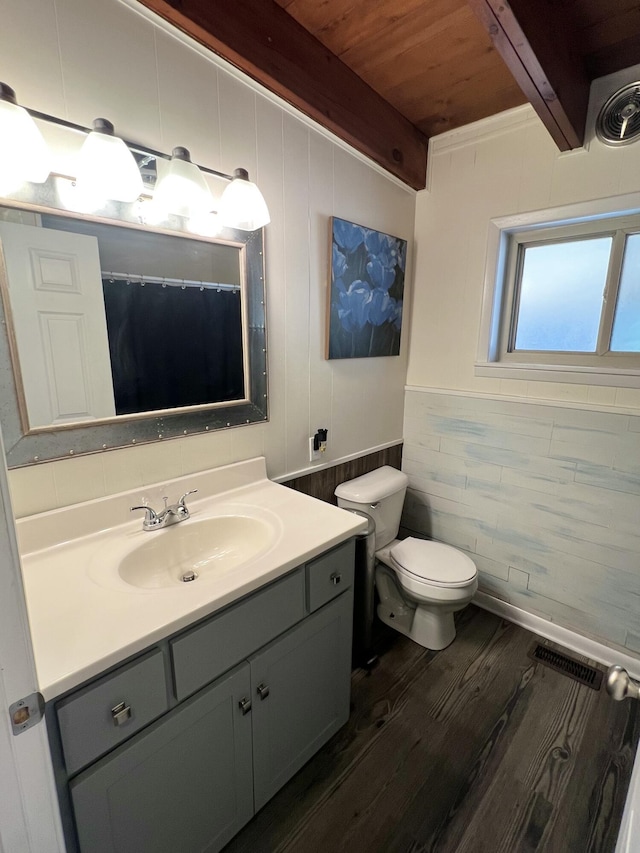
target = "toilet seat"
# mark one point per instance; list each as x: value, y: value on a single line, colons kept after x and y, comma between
x: 421, y: 584
x: 433, y: 563
x: 407, y: 577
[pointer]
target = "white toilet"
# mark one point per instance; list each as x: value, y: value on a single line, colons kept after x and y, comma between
x: 420, y: 583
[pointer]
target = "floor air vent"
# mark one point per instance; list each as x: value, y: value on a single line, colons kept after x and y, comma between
x: 587, y: 675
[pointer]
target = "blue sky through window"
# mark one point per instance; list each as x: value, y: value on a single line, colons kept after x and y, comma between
x: 561, y: 295
x: 626, y: 325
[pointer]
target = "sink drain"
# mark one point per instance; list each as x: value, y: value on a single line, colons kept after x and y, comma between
x: 189, y: 576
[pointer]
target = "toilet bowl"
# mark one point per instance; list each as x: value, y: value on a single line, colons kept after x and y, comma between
x: 420, y: 583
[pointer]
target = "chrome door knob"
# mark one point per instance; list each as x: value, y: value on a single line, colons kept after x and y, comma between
x: 620, y: 685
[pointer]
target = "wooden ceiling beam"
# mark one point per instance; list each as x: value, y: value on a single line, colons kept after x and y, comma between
x: 261, y: 39
x: 537, y: 43
x: 614, y: 57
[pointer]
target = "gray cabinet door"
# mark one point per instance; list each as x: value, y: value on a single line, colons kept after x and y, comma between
x: 301, y: 691
x: 184, y: 784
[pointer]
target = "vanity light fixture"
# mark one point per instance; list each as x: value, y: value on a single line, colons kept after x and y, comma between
x: 24, y: 155
x: 106, y: 167
x: 242, y: 204
x: 107, y: 171
x: 181, y: 187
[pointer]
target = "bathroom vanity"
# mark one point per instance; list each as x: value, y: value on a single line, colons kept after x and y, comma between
x: 172, y: 724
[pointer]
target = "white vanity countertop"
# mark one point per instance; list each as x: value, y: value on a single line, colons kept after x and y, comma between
x: 84, y: 618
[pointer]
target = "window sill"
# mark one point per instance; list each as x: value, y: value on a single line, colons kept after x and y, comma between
x: 575, y: 375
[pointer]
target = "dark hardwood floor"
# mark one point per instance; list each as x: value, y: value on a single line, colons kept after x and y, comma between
x: 475, y: 749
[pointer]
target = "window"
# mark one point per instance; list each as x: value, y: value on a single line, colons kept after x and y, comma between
x: 562, y: 301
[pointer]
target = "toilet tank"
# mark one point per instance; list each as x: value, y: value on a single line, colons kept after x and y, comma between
x: 381, y: 495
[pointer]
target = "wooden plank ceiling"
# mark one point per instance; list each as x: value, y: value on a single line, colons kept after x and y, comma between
x: 385, y: 75
x: 431, y: 59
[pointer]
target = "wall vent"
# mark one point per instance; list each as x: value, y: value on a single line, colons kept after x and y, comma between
x: 618, y: 122
x: 614, y: 108
x: 587, y: 675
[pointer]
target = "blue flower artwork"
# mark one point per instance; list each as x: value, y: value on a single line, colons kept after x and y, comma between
x: 367, y: 289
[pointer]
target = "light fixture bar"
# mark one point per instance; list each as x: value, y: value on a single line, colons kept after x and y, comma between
x: 134, y: 146
x: 106, y: 171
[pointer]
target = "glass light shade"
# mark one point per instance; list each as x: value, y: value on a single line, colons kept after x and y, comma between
x: 242, y: 205
x: 205, y: 224
x: 24, y: 155
x: 107, y: 169
x: 182, y: 189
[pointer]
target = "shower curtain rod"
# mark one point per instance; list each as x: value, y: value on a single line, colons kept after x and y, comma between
x: 136, y: 278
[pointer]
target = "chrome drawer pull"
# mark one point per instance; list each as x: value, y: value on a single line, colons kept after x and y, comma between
x: 245, y: 705
x: 262, y: 691
x: 336, y: 578
x: 121, y: 714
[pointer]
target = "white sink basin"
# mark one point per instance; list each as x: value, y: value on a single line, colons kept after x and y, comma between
x: 192, y: 550
x: 100, y: 589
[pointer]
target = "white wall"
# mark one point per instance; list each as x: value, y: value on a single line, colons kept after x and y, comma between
x: 538, y: 481
x: 502, y: 166
x: 79, y: 59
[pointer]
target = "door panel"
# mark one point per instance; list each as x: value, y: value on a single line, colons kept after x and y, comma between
x: 301, y: 692
x: 54, y: 285
x: 29, y: 816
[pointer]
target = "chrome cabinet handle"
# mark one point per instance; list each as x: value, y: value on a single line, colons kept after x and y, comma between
x: 262, y: 691
x: 335, y: 578
x: 245, y: 705
x: 121, y: 713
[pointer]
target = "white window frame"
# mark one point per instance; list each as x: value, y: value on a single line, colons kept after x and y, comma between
x: 617, y: 215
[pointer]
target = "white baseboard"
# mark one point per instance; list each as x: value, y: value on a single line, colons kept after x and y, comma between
x: 557, y: 634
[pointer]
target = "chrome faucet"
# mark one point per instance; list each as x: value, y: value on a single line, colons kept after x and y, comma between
x: 169, y: 515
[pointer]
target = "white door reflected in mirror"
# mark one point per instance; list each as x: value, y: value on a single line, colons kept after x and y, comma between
x: 54, y: 287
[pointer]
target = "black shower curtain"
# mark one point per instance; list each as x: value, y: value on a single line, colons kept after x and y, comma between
x: 173, y: 347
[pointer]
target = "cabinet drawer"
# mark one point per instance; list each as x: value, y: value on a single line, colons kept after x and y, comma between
x: 207, y: 651
x: 330, y: 575
x: 183, y: 785
x: 89, y: 720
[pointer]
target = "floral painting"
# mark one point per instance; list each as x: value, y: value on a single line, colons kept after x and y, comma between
x: 367, y: 288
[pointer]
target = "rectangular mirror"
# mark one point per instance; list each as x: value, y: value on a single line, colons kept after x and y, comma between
x: 120, y: 333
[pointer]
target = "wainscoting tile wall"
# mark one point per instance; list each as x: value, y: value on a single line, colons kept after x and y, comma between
x: 544, y: 498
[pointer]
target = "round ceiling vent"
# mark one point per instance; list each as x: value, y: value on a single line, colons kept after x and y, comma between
x: 618, y: 122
